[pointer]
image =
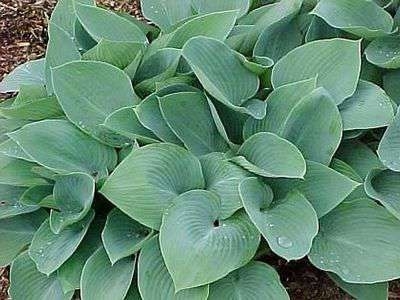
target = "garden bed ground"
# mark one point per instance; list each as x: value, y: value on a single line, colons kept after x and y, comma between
x: 23, y: 36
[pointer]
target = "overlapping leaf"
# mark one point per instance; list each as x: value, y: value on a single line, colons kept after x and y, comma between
x: 209, y: 59
x: 369, y: 107
x: 73, y: 195
x: 289, y: 224
x: 152, y: 272
x: 123, y: 236
x: 256, y: 280
x: 28, y: 282
x: 49, y: 250
x: 16, y: 233
x: 197, y: 129
x: 101, y: 280
x: 360, y: 17
x: 268, y: 155
x: 389, y: 146
x: 162, y: 171
x: 63, y: 148
x: 89, y: 91
x: 337, y: 67
x: 353, y: 237
x: 188, y: 234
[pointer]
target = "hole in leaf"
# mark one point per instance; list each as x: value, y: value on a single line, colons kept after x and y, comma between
x: 216, y: 223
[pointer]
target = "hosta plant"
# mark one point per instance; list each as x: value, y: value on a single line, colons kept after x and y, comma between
x: 165, y: 161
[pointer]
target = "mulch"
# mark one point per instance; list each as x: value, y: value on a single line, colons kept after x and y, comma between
x: 23, y: 36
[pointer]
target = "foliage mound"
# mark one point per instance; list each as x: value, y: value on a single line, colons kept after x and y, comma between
x: 162, y: 162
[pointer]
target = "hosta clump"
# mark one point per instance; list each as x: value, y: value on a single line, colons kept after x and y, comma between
x: 163, y: 161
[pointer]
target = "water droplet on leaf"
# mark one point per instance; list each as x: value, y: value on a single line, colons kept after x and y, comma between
x: 284, y: 242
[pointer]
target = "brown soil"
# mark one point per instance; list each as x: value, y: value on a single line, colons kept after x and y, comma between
x: 23, y: 36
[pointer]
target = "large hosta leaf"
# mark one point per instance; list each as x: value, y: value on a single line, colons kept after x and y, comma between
x: 158, y: 67
x: 190, y: 118
x: 209, y: 59
x: 268, y: 155
x: 118, y: 28
x: 281, y: 103
x: 304, y: 129
x: 39, y: 195
x: 389, y: 146
x: 352, y: 239
x: 369, y: 107
x: 264, y: 17
x: 223, y: 177
x: 391, y: 86
x: 9, y: 201
x: 154, y: 281
x: 28, y: 283
x: 12, y: 150
x: 383, y: 185
x: 319, y: 30
x: 189, y: 233
x: 89, y: 91
x: 359, y: 156
x: 18, y: 172
x: 384, y: 52
x: 162, y: 171
x: 64, y: 14
x: 29, y: 73
x: 125, y: 122
x: 9, y: 125
x: 254, y: 281
x: 214, y: 25
x: 31, y: 108
x: 323, y: 187
x: 292, y: 118
x: 60, y: 146
x: 16, y: 233
x: 73, y: 195
x: 278, y: 39
x: 102, y: 281
x: 337, y: 67
x: 360, y: 17
x: 166, y: 13
x: 49, y: 250
x: 206, y: 6
x: 119, y: 54
x: 149, y: 114
x: 289, y: 224
x: 123, y: 236
x: 70, y: 272
x: 61, y: 49
x: 377, y: 291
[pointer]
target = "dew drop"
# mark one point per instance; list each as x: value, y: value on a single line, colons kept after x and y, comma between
x: 284, y: 242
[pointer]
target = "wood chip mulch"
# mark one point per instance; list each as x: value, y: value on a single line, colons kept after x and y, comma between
x: 23, y: 28
x: 23, y: 36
